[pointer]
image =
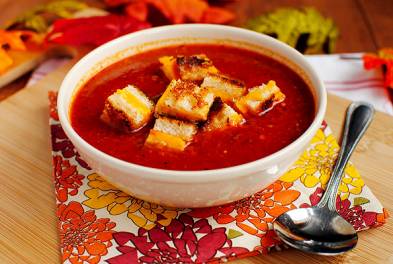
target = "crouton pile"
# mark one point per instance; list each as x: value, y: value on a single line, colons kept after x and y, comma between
x: 198, y: 97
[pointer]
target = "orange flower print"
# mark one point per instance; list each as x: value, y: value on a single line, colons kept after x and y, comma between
x: 67, y: 178
x: 83, y: 237
x: 253, y: 214
x: 143, y: 214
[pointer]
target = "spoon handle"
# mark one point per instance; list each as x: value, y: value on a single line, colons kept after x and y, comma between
x: 358, y: 118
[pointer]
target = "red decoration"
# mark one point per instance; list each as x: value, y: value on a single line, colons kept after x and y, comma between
x: 93, y: 30
x: 176, y: 11
x: 383, y: 59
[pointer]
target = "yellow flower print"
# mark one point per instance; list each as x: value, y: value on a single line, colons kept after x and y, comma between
x: 315, y: 166
x: 144, y: 214
x: 352, y: 183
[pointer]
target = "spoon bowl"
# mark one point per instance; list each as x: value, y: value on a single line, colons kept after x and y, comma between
x: 308, y: 229
x: 320, y: 229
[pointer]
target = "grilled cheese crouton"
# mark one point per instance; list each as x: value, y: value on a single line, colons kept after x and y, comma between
x: 260, y: 99
x: 169, y: 67
x: 185, y: 100
x: 222, y: 117
x: 193, y: 68
x: 128, y: 109
x: 171, y: 133
x: 224, y: 87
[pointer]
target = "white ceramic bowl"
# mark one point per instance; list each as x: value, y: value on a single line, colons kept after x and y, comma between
x: 189, y: 188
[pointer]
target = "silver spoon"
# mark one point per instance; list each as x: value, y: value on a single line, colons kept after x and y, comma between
x: 320, y: 229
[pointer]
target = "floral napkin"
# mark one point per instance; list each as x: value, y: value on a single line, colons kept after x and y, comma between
x: 99, y: 223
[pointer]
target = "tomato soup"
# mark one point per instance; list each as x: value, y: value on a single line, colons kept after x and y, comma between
x: 257, y: 138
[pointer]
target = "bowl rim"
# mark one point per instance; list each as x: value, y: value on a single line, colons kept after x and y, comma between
x: 182, y: 176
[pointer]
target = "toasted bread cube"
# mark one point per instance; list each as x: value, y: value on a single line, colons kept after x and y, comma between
x: 224, y: 87
x: 185, y: 100
x: 223, y: 117
x: 128, y: 109
x: 193, y: 68
x: 260, y: 99
x: 171, y: 133
x: 169, y: 67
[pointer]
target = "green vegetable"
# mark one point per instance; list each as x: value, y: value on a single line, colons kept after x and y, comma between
x: 305, y: 29
x: 40, y: 17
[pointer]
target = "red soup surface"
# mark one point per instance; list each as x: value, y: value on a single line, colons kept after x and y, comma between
x: 257, y: 138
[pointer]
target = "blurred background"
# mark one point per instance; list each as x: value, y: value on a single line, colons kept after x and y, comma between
x: 359, y: 30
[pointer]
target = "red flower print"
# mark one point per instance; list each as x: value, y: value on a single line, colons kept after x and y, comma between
x: 83, y: 237
x: 184, y: 240
x: 253, y: 214
x: 356, y: 215
x: 323, y: 125
x: 53, y: 105
x: 60, y: 142
x: 268, y: 241
x: 67, y: 179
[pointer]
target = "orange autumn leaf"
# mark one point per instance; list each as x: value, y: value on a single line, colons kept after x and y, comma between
x: 12, y: 40
x: 5, y: 60
x: 137, y: 10
x: 286, y: 197
x: 217, y: 15
x: 384, y: 59
x: 180, y: 11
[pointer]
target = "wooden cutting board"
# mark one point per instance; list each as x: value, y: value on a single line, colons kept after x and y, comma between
x: 28, y: 231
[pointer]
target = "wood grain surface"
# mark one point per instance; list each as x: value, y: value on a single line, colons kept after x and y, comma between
x: 28, y: 231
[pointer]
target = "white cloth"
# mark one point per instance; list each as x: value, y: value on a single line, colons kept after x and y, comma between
x: 348, y: 78
x: 342, y: 77
x: 45, y: 68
